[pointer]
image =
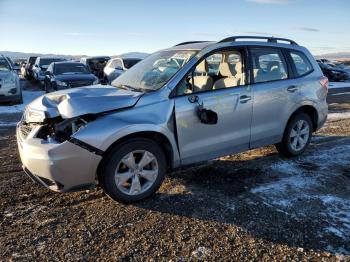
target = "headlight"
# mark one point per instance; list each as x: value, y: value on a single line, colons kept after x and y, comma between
x: 60, y: 83
x: 34, y: 116
x: 96, y: 82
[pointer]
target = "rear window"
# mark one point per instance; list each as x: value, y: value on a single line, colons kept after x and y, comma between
x: 268, y: 65
x: 70, y: 68
x: 128, y: 63
x: 32, y: 59
x: 301, y: 63
x: 47, y: 61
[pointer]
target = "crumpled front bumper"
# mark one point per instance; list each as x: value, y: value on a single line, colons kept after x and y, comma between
x: 60, y: 167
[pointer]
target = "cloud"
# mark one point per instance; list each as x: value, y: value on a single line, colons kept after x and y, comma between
x: 308, y: 29
x: 273, y: 2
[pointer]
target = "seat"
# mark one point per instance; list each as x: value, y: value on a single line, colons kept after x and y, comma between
x: 202, y: 82
x: 231, y: 75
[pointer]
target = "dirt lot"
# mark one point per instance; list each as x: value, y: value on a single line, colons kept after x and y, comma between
x: 250, y: 206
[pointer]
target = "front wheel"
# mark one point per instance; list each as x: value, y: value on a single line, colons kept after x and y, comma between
x: 133, y: 171
x: 297, y: 136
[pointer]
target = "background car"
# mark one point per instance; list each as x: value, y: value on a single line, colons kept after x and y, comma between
x: 63, y: 75
x: 333, y: 73
x: 96, y: 64
x: 117, y: 66
x: 41, y: 64
x: 10, y: 89
x: 28, y: 72
x: 15, y: 66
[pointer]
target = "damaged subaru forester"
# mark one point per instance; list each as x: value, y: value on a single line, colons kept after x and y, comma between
x: 190, y: 103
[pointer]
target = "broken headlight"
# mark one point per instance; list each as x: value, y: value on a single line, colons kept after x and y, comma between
x: 55, y: 131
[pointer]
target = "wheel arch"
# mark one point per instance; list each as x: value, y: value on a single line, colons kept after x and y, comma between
x: 161, y: 139
x: 310, y: 110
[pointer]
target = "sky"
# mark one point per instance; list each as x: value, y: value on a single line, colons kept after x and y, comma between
x: 109, y: 27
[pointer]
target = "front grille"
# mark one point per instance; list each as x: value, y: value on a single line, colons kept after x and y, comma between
x: 26, y: 129
x: 79, y: 83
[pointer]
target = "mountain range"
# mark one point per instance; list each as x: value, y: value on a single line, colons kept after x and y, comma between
x: 21, y: 55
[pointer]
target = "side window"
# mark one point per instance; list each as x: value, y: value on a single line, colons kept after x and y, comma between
x: 220, y: 70
x: 301, y: 63
x: 268, y: 65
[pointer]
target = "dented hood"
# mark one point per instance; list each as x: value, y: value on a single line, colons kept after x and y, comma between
x: 84, y: 100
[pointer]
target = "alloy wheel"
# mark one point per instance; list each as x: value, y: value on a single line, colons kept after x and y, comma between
x: 136, y: 172
x: 299, y: 135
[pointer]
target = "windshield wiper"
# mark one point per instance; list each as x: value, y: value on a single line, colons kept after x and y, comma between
x: 126, y: 87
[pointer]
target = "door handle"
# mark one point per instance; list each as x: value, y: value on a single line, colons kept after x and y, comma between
x: 244, y: 99
x: 292, y: 89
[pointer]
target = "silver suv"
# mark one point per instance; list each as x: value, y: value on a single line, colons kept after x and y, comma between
x: 190, y: 103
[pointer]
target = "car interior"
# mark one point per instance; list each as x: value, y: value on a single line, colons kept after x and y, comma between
x: 218, y: 71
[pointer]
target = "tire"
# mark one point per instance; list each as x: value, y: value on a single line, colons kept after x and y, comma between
x: 288, y: 147
x: 46, y: 87
x: 116, y: 170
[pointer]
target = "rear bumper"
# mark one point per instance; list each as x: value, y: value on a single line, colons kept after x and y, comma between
x: 60, y: 167
x: 322, y: 116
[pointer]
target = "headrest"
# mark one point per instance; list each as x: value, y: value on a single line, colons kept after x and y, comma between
x: 202, y: 67
x: 226, y: 70
x: 238, y: 68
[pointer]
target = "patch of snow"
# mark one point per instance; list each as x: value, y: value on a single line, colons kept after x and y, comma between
x: 297, y: 189
x: 338, y: 116
x: 201, y: 252
x: 28, y: 96
x: 334, y: 85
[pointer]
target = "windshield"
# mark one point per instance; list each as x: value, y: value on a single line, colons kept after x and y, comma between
x: 154, y: 71
x: 47, y: 61
x: 4, y: 65
x: 128, y: 63
x: 70, y: 68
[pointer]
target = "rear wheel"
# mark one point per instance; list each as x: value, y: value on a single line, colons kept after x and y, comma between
x: 134, y: 170
x: 297, y: 136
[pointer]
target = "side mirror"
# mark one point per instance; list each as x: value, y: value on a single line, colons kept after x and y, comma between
x: 207, y: 116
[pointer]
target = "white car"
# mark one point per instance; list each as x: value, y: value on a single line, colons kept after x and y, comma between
x: 10, y: 89
x: 117, y: 66
x: 41, y: 64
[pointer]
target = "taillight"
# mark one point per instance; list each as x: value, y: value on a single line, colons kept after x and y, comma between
x: 324, y: 82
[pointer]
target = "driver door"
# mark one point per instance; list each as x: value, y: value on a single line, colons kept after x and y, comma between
x: 231, y: 102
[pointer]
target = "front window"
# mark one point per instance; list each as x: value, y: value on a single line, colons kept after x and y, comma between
x: 4, y: 65
x: 70, y: 68
x: 154, y: 71
x: 221, y: 70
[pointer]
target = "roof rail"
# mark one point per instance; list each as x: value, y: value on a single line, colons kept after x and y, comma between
x: 269, y: 39
x: 190, y: 42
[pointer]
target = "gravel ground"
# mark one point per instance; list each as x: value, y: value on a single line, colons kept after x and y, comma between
x: 249, y: 207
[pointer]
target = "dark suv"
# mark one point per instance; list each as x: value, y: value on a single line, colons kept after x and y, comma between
x: 96, y: 65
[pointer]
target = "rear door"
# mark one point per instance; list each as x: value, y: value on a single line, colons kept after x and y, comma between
x: 275, y: 95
